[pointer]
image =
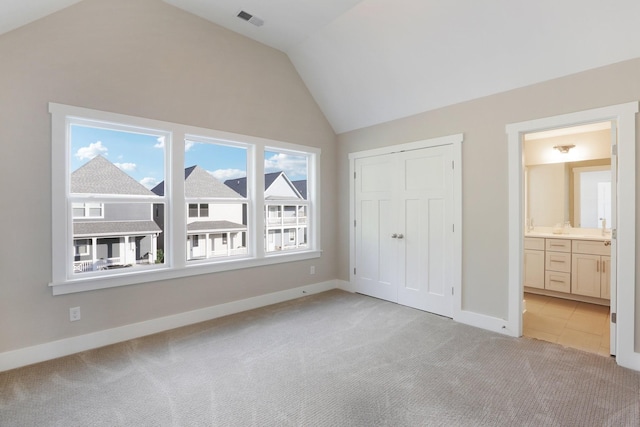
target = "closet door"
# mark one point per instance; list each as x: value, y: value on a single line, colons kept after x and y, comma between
x: 375, y: 250
x: 404, y: 220
x: 424, y: 198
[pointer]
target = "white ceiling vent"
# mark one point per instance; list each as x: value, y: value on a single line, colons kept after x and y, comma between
x: 250, y: 18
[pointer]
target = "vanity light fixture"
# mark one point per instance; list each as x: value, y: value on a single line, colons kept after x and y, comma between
x: 563, y: 148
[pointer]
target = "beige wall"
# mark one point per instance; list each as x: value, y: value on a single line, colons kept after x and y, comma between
x: 484, y: 175
x: 142, y: 58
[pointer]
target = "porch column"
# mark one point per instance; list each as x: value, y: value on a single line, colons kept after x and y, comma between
x: 126, y: 250
x: 206, y: 245
x: 94, y: 252
x: 154, y: 248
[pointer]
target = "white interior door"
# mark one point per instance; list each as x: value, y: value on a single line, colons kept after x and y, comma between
x: 375, y: 252
x: 613, y: 267
x: 404, y: 228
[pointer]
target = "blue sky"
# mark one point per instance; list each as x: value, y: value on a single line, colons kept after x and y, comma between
x: 142, y: 156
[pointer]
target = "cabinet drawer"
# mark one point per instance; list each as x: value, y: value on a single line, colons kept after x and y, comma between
x: 555, y: 281
x: 592, y: 247
x: 558, y: 261
x: 535, y: 243
x: 558, y: 245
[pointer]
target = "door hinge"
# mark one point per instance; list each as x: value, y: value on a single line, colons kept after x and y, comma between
x: 453, y: 164
x: 614, y: 318
x: 452, y: 292
x: 354, y: 271
x: 354, y: 175
x: 614, y: 234
x: 614, y: 150
x: 453, y: 227
x: 354, y: 222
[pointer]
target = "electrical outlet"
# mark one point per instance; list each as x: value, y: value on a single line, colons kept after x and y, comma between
x: 312, y: 270
x: 74, y: 314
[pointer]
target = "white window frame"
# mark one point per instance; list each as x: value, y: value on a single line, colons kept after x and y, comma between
x: 176, y: 265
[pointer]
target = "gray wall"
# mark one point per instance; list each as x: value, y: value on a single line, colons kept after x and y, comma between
x: 142, y: 58
x: 485, y: 174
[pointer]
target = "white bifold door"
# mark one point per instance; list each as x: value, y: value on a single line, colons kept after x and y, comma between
x: 404, y: 228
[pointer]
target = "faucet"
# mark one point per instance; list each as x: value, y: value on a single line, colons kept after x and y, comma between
x: 604, y: 225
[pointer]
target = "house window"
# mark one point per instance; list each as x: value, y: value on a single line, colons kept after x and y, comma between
x: 215, y: 184
x: 286, y: 198
x: 118, y: 220
x: 87, y: 210
x: 198, y: 210
x: 82, y: 247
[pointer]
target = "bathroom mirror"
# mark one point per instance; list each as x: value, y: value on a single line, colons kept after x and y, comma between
x: 578, y: 192
x: 568, y: 176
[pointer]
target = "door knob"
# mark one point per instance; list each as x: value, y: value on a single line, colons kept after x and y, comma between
x: 607, y: 242
x: 394, y: 235
x: 400, y: 236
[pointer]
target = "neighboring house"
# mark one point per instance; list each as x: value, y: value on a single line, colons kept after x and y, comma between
x: 110, y: 235
x: 285, y: 210
x: 213, y: 229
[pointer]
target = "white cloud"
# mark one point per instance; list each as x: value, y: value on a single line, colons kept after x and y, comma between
x: 128, y: 167
x: 224, y: 174
x: 292, y: 166
x: 149, y: 182
x: 91, y: 151
x: 188, y: 145
x: 160, y: 143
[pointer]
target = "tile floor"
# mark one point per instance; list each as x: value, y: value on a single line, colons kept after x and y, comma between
x: 570, y: 323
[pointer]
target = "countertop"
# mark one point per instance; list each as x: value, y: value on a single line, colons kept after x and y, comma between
x: 546, y: 235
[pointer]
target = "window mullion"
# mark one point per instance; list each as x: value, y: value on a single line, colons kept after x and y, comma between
x: 256, y: 173
x: 177, y: 222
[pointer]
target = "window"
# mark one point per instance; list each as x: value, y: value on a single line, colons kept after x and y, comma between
x: 81, y: 247
x: 286, y: 200
x: 118, y: 220
x: 87, y: 210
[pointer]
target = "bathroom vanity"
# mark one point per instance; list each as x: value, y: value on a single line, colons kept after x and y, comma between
x: 568, y: 266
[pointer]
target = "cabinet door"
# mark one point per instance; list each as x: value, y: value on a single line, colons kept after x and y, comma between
x: 534, y: 269
x: 585, y: 275
x: 605, y: 277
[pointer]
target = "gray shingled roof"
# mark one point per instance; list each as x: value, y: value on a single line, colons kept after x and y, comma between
x: 114, y: 228
x: 215, y: 226
x: 301, y: 186
x: 100, y: 176
x: 200, y: 183
x: 239, y: 185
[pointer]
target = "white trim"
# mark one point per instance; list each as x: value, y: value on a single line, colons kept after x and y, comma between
x: 111, y: 281
x: 51, y: 350
x: 482, y: 321
x: 456, y: 142
x: 624, y: 115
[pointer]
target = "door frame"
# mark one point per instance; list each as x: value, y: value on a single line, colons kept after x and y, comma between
x: 623, y: 303
x: 456, y: 142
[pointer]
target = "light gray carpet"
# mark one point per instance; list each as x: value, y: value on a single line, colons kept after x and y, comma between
x: 333, y: 359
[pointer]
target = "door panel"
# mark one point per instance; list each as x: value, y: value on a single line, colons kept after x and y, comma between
x: 375, y: 255
x: 407, y: 194
x: 428, y: 244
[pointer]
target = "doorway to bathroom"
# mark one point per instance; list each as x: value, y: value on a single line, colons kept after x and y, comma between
x: 567, y: 241
x: 621, y: 248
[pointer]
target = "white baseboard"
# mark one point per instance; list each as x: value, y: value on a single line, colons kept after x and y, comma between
x: 345, y: 286
x: 51, y: 350
x: 485, y: 322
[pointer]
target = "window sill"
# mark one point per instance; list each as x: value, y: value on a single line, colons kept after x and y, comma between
x: 112, y: 281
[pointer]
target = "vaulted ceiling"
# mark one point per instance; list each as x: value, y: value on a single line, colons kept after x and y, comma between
x: 370, y: 61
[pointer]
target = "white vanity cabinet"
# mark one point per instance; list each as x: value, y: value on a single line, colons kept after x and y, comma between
x: 534, y: 275
x: 591, y: 268
x: 578, y: 269
x: 558, y: 265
